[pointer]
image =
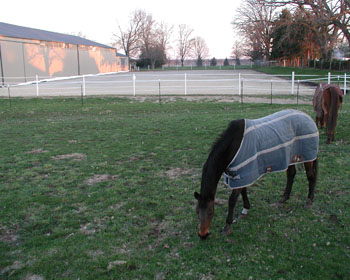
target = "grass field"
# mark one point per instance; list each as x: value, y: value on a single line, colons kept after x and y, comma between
x: 105, y: 191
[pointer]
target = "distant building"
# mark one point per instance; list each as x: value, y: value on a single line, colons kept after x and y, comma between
x: 27, y: 52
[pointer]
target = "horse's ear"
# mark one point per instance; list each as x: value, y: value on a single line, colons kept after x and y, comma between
x: 197, y: 195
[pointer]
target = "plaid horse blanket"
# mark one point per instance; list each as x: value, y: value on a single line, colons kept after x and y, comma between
x: 271, y: 144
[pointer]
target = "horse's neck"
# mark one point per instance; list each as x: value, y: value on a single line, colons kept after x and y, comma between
x: 212, y: 171
x: 220, y: 157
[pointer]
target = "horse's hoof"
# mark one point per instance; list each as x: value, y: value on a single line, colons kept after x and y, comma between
x: 308, y: 203
x: 227, y: 230
x: 283, y: 200
x: 242, y: 216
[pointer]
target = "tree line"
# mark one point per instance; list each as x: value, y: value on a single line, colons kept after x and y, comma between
x: 296, y: 31
x: 293, y: 31
x: 149, y: 41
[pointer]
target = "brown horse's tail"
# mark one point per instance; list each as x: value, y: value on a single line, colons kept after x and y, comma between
x: 332, y: 119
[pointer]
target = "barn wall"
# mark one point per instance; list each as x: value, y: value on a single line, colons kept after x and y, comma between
x: 50, y: 60
x: 124, y: 60
x: 23, y: 60
x: 94, y: 60
x: 12, y: 62
x: 1, y: 76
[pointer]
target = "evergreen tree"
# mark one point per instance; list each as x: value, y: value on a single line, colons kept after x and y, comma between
x: 226, y: 62
x: 213, y: 62
x: 290, y: 36
x: 199, y: 61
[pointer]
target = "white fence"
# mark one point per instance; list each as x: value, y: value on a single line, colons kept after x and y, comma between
x: 244, y: 82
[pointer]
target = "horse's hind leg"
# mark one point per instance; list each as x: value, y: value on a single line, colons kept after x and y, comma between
x: 290, y: 179
x: 318, y: 121
x: 321, y: 119
x: 311, y: 173
x: 231, y: 205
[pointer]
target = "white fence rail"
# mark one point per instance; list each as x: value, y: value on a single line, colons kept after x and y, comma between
x: 174, y: 83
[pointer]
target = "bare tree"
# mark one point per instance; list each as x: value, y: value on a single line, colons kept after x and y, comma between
x: 254, y: 21
x: 184, y: 42
x: 128, y: 39
x: 144, y: 38
x: 147, y: 34
x: 154, y: 40
x: 237, y: 52
x: 200, y: 50
x: 163, y: 35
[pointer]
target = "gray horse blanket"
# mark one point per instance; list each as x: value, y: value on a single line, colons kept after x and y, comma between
x: 271, y: 144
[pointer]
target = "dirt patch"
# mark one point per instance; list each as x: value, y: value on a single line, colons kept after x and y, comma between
x: 37, y: 151
x: 95, y: 254
x: 160, y: 231
x: 98, y: 178
x: 217, y: 98
x: 87, y: 229
x: 34, y: 277
x: 12, y: 268
x: 7, y: 235
x: 97, y: 225
x: 74, y: 156
x: 220, y: 202
x: 114, y: 264
x: 177, y: 172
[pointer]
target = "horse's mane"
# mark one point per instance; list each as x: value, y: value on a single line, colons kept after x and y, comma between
x: 225, y: 139
x: 221, y: 153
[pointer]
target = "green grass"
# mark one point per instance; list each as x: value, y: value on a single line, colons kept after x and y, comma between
x: 302, y: 73
x: 59, y: 222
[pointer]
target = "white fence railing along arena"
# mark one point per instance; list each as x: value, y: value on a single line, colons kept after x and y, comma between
x: 173, y: 83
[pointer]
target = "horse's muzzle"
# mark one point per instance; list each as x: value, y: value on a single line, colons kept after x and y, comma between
x: 203, y: 237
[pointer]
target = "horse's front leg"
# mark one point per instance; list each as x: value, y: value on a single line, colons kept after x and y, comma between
x: 246, y: 203
x: 231, y: 205
x: 291, y: 171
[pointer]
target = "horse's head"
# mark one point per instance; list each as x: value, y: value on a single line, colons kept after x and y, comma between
x: 205, y: 212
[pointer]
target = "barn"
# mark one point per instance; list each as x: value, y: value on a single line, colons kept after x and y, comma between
x: 27, y: 52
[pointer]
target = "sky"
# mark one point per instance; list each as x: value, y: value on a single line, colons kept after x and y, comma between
x: 98, y: 20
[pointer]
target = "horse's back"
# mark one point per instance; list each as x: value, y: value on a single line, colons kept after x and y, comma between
x: 271, y: 144
x: 317, y: 99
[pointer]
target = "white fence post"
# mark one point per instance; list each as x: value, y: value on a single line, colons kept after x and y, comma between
x: 344, y: 83
x: 84, y: 87
x: 329, y: 77
x: 293, y: 80
x: 185, y: 83
x: 134, y: 83
x: 239, y: 83
x: 37, y: 85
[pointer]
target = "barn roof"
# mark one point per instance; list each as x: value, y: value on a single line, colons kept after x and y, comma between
x: 16, y: 31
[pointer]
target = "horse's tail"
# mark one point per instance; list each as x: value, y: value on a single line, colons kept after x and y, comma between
x: 332, y: 119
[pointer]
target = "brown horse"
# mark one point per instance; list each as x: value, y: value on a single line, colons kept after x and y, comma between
x: 247, y: 150
x: 326, y: 101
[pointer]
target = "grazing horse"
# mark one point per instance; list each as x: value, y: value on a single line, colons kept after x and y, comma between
x: 247, y: 150
x: 326, y: 101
